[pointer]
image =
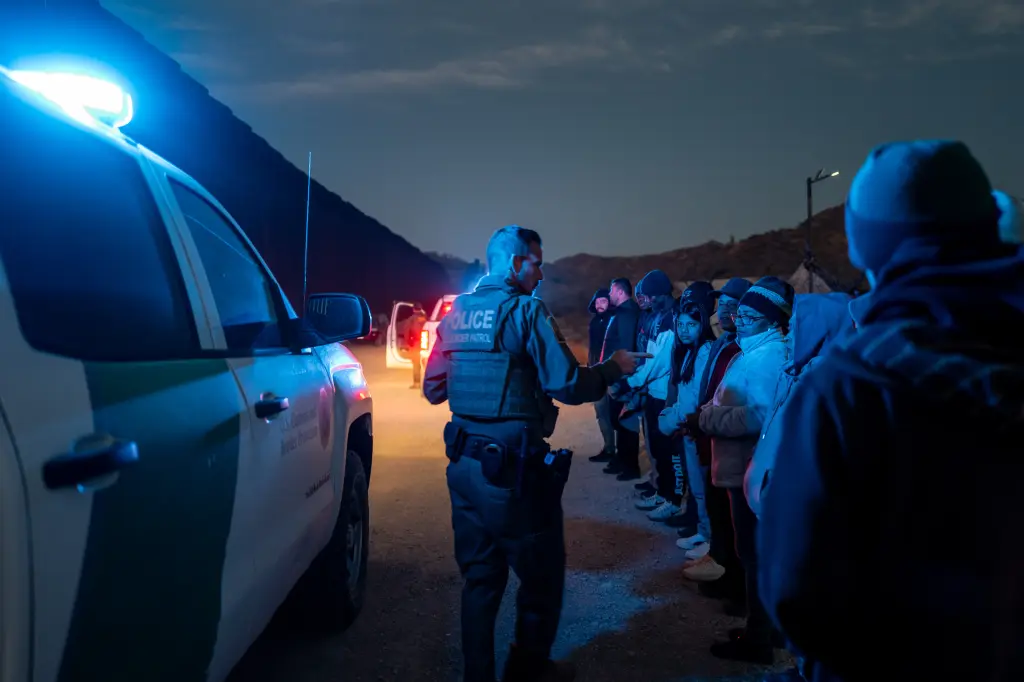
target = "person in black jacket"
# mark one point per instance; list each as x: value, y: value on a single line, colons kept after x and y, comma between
x: 622, y: 334
x: 600, y: 309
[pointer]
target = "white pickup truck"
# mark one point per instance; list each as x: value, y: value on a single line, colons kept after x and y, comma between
x: 397, y: 356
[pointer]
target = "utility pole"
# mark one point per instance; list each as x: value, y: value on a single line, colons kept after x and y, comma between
x: 808, y: 254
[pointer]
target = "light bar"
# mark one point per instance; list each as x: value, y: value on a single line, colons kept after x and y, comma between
x: 84, y: 98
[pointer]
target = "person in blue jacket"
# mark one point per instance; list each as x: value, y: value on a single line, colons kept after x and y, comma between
x: 890, y: 539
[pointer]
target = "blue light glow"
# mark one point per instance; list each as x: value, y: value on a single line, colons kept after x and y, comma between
x: 351, y: 378
x: 84, y: 98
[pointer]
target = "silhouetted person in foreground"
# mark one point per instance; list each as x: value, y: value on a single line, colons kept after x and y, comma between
x: 894, y: 518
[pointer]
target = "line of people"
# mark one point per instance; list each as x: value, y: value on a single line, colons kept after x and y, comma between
x: 770, y: 444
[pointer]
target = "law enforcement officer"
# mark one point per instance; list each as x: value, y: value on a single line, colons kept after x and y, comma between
x: 499, y: 360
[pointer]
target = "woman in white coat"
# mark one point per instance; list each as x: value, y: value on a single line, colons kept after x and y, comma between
x: 733, y: 420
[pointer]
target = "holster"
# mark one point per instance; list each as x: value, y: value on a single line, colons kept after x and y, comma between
x: 492, y: 455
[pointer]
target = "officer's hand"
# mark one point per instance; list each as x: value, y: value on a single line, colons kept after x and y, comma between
x: 627, y: 360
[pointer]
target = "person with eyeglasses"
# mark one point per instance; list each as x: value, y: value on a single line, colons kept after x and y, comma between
x: 733, y: 420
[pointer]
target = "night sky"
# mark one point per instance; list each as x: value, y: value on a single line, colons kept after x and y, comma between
x: 614, y: 127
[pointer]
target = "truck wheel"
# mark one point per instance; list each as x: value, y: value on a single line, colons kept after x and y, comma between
x: 330, y: 594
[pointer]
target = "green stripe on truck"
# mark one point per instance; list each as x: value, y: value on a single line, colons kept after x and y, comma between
x: 149, y: 597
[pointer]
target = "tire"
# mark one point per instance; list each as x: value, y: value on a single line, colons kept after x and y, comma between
x: 330, y: 595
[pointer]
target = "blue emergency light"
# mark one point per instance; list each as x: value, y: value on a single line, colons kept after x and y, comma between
x: 84, y: 98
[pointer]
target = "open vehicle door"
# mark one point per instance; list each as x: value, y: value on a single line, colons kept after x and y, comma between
x: 397, y: 355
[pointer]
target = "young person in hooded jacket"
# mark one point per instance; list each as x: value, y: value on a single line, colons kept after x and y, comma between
x: 903, y: 445
x: 694, y: 337
x: 657, y: 305
x: 734, y: 419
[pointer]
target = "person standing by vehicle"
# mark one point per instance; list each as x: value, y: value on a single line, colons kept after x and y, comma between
x: 600, y: 315
x: 622, y: 335
x: 498, y: 361
x: 413, y: 331
x: 923, y: 405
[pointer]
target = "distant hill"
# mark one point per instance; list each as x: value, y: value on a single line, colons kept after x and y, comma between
x: 177, y: 118
x: 570, y: 282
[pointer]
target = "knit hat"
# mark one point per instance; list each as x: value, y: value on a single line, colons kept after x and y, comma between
x: 931, y: 190
x: 698, y: 293
x: 734, y: 288
x: 655, y: 283
x: 772, y: 297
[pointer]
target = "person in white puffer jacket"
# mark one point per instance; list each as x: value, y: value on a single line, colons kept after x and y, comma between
x: 734, y: 419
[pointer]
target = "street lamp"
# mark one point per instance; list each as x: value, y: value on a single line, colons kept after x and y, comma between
x: 818, y: 177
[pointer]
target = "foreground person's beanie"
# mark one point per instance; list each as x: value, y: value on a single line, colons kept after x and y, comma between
x: 929, y: 190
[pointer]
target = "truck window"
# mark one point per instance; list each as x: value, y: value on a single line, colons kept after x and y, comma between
x: 241, y: 289
x: 88, y: 259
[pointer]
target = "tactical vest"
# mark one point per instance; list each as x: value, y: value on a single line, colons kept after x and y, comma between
x: 486, y: 381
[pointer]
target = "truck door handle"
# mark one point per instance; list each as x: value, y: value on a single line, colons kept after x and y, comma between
x: 75, y: 468
x: 268, y: 406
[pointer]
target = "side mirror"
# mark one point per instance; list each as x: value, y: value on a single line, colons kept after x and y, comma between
x: 337, y: 317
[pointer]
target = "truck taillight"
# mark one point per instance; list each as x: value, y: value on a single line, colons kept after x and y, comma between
x: 445, y: 309
x: 424, y: 340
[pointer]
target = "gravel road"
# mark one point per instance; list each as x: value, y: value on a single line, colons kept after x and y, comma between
x: 629, y: 614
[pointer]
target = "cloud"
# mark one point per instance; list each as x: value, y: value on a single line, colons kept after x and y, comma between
x: 985, y: 17
x: 788, y: 29
x: 510, y: 68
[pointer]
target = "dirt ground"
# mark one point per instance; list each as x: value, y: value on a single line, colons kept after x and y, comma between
x: 629, y: 614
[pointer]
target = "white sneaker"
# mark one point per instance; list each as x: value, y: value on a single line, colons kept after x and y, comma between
x: 663, y: 513
x: 691, y: 542
x: 650, y: 502
x: 699, y: 551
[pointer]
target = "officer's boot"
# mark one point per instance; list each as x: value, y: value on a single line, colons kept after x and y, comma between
x: 524, y: 667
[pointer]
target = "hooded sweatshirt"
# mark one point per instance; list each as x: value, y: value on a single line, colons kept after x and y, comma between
x: 657, y: 286
x: 598, y: 327
x: 818, y: 319
x: 907, y: 436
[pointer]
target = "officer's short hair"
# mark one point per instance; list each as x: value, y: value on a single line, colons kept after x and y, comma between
x: 508, y: 242
x: 624, y: 284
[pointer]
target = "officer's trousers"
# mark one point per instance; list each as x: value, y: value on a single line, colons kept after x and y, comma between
x: 495, y: 530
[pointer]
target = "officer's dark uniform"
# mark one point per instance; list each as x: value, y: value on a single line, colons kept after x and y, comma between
x: 499, y: 359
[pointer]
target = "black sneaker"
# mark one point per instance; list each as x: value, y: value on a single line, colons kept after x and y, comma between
x: 679, y: 521
x: 601, y: 457
x: 778, y: 641
x: 744, y: 650
x: 644, y: 487
x: 791, y: 675
x: 627, y: 475
x: 521, y: 668
x: 614, y: 467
